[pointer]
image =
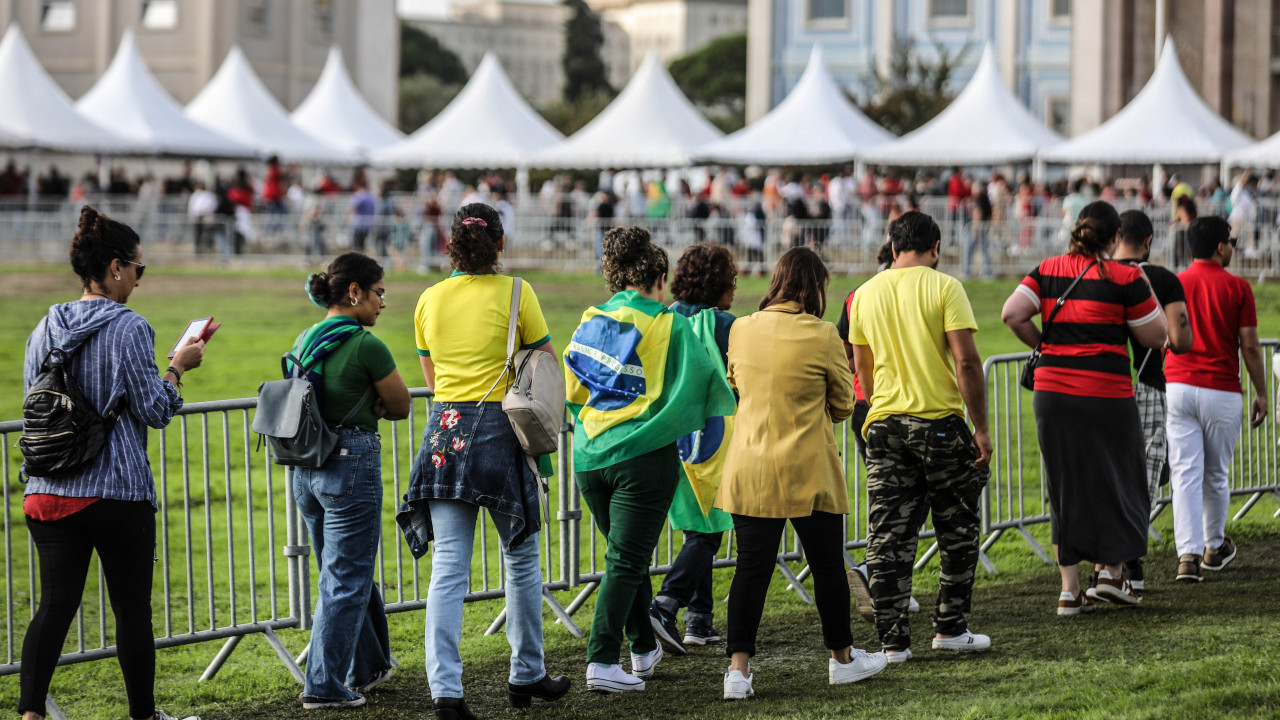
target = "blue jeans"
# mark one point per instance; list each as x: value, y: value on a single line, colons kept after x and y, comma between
x: 689, y: 581
x: 454, y: 525
x: 341, y: 503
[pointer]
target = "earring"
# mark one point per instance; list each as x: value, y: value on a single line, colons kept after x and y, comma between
x: 117, y: 277
x: 354, y: 302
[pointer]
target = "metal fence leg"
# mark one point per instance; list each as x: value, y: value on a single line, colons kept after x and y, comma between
x: 284, y: 655
x: 1248, y: 505
x: 581, y: 600
x: 986, y: 563
x: 302, y: 656
x: 1026, y: 535
x: 848, y: 559
x: 1154, y: 534
x: 986, y: 545
x: 804, y: 573
x: 227, y: 648
x: 52, y: 710
x: 497, y: 623
x: 928, y: 555
x: 793, y: 581
x: 562, y: 616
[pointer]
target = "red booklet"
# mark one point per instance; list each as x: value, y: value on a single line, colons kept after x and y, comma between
x: 202, y: 328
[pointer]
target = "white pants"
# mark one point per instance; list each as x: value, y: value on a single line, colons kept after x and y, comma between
x: 1204, y: 426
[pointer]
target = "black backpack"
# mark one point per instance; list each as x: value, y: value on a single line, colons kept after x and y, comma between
x: 61, y: 430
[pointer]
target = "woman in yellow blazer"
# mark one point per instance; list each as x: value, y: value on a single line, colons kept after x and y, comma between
x: 793, y: 381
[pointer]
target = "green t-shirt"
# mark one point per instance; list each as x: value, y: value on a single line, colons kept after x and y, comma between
x: 360, y: 361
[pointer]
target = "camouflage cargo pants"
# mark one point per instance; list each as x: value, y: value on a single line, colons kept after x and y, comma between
x: 915, y: 466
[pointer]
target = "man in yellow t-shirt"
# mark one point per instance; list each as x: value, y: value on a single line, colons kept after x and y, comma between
x: 912, y: 328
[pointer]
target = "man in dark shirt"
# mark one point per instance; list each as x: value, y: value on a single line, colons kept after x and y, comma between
x: 1134, y: 248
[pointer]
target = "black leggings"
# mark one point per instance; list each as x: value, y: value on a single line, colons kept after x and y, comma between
x: 758, y: 539
x: 124, y: 535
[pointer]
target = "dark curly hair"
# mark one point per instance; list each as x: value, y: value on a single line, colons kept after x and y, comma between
x: 631, y: 259
x: 801, y: 277
x: 704, y: 273
x: 97, y: 242
x: 475, y: 238
x: 331, y: 287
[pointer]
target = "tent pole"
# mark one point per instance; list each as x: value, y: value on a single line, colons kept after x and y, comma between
x: 1037, y: 169
x: 1157, y: 189
x: 522, y: 187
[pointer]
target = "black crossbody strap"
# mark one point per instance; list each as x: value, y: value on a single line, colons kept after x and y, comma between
x: 1062, y: 300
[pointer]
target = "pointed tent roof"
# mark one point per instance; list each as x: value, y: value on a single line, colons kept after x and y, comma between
x: 1166, y: 122
x: 128, y: 101
x: 815, y: 124
x: 336, y: 111
x: 651, y: 124
x: 9, y: 141
x: 487, y: 125
x: 39, y: 113
x: 1265, y: 154
x: 984, y: 125
x: 237, y: 104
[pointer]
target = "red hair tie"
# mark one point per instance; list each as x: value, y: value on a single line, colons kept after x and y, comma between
x: 475, y: 221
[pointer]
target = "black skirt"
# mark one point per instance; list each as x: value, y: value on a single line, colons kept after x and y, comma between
x: 1094, y: 475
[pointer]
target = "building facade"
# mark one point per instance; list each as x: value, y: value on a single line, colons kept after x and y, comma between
x: 1032, y: 39
x: 185, y: 41
x: 1229, y: 50
x: 528, y: 39
x: 670, y: 28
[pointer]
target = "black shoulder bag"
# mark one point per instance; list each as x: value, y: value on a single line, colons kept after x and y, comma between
x: 1029, y: 370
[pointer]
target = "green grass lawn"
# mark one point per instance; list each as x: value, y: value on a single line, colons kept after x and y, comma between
x: 1114, y: 664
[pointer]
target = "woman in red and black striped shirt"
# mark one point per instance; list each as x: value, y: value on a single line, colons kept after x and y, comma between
x: 1087, y: 422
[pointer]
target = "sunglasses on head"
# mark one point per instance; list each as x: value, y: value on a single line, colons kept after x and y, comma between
x: 141, y: 268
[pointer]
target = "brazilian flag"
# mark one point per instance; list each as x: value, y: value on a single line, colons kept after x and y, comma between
x: 637, y: 379
x: 702, y: 453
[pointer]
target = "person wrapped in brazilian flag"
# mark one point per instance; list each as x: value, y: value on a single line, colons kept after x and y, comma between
x: 638, y: 379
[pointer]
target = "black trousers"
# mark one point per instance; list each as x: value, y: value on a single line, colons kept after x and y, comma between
x: 124, y: 535
x: 688, y: 583
x: 823, y: 540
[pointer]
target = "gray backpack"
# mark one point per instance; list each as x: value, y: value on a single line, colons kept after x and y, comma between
x: 288, y: 416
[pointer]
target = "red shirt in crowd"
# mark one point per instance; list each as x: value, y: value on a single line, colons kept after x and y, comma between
x: 273, y: 185
x: 1088, y: 349
x: 1218, y: 304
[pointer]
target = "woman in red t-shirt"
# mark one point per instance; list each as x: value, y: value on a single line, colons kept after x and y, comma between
x: 1087, y: 421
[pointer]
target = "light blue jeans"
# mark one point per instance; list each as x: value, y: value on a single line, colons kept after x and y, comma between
x: 341, y: 503
x: 453, y: 523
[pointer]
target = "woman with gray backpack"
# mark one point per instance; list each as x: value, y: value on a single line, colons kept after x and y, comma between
x: 95, y: 491
x: 356, y: 384
x: 471, y: 457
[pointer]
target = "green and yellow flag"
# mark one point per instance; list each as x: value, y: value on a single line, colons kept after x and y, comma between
x: 702, y: 453
x: 637, y: 379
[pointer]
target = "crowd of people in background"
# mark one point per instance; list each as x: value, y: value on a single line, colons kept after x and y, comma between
x: 400, y: 217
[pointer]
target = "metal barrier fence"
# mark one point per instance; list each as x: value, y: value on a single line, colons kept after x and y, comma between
x: 227, y: 510
x: 849, y: 244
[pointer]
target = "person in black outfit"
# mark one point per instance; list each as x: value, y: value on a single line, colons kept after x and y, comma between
x: 1134, y: 249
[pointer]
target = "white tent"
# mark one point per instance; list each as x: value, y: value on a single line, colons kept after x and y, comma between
x: 1166, y: 122
x: 651, y: 124
x: 488, y: 125
x: 237, y: 104
x: 1265, y: 154
x: 336, y: 111
x: 39, y: 113
x: 814, y: 125
x: 128, y: 101
x: 984, y: 125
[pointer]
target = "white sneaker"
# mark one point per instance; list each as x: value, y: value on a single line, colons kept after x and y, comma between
x: 378, y: 678
x: 968, y: 642
x: 861, y: 666
x: 898, y: 656
x: 611, y: 679
x: 162, y: 715
x: 737, y: 686
x: 642, y: 665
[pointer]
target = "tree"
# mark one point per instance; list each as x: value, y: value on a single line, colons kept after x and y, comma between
x: 714, y: 77
x: 584, y: 71
x: 422, y: 54
x: 422, y: 97
x: 915, y: 90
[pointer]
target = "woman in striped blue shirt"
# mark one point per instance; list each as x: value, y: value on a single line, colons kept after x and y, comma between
x: 107, y: 505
